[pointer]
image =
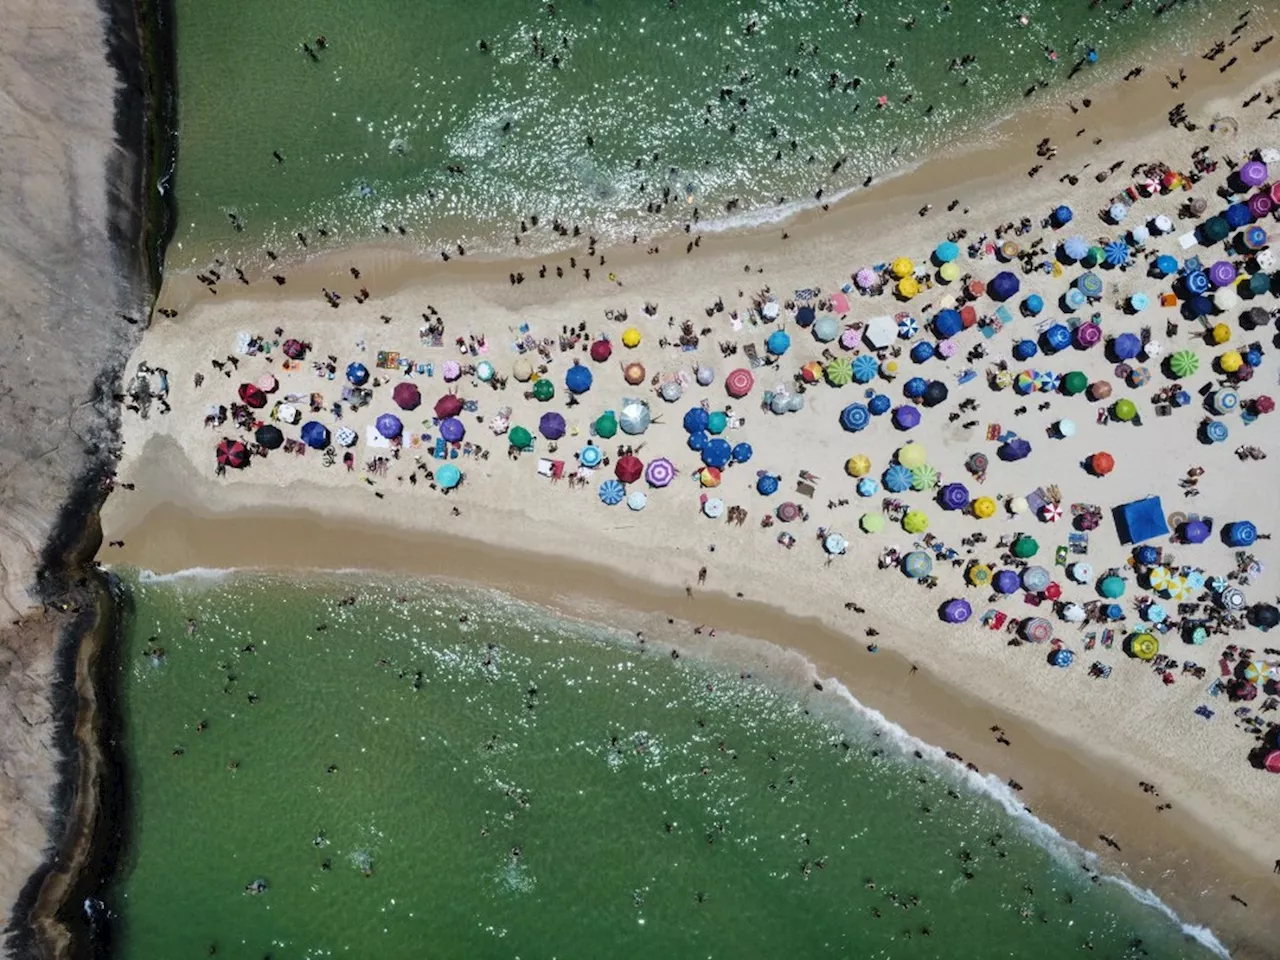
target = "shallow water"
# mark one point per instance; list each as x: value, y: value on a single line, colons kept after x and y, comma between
x: 663, y: 808
x: 401, y: 92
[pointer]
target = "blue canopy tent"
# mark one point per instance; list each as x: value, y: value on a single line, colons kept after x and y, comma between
x: 1140, y: 520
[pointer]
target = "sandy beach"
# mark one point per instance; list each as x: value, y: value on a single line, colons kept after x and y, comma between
x: 1078, y: 746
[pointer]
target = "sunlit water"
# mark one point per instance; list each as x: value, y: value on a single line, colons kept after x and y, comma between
x: 621, y: 116
x: 439, y: 772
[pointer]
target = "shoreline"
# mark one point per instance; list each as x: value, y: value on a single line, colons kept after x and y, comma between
x: 1078, y: 792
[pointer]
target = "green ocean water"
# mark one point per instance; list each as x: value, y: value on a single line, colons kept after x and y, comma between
x: 440, y: 772
x: 590, y: 112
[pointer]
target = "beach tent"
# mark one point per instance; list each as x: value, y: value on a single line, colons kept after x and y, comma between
x: 1141, y: 520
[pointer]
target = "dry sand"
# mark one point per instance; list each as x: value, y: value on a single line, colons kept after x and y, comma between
x: 1079, y: 745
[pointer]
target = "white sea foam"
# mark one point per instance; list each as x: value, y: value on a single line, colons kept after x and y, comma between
x: 191, y: 573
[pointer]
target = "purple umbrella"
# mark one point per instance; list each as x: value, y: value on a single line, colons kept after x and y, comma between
x: 1260, y: 205
x: 389, y: 426
x: 1127, y: 346
x: 1195, y: 531
x: 954, y: 496
x: 659, y: 472
x: 1007, y: 581
x: 1088, y: 334
x: 551, y: 426
x: 957, y: 611
x: 1222, y: 273
x: 452, y: 429
x: 1253, y: 173
x: 904, y: 418
x: 1015, y: 449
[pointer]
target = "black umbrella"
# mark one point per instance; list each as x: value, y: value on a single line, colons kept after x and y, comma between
x: 269, y: 436
x: 1264, y: 615
x: 935, y: 393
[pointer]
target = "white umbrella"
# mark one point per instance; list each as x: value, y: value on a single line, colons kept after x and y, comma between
x: 636, y: 500
x: 1081, y: 572
x: 713, y: 507
x: 770, y: 310
x: 1066, y: 428
x: 881, y: 332
x: 1226, y: 298
x: 1163, y: 224
x: 1153, y: 349
x: 671, y: 391
x: 635, y: 417
x: 1018, y: 505
x: 1266, y: 259
x: 835, y: 544
x: 1073, y: 613
x: 288, y: 413
x: 704, y: 375
x: 345, y: 437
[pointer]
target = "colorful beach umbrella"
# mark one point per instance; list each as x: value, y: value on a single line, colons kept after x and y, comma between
x: 865, y: 368
x: 660, y: 472
x: 232, y: 454
x: 855, y: 417
x: 1184, y: 363
x: 915, y: 521
x: 739, y: 383
x: 924, y: 477
x: 520, y: 438
x: 577, y: 379
x: 917, y: 564
x: 839, y: 371
x: 611, y: 492
x: 1117, y: 253
x: 1090, y: 284
x: 897, y: 478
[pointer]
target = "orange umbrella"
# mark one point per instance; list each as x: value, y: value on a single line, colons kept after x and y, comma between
x: 1102, y: 463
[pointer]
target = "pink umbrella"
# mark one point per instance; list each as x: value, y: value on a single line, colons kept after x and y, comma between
x: 1088, y: 334
x: 267, y: 383
x: 1271, y: 763
x: 739, y: 383
x: 849, y: 339
x: 840, y: 303
x: 452, y: 370
x: 1260, y: 205
x: 1052, y: 513
x: 408, y: 397
x: 1275, y: 192
x: 947, y: 348
x: 866, y: 278
x: 788, y: 511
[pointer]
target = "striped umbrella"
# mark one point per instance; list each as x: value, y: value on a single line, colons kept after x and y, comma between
x: 924, y: 477
x: 1090, y: 284
x: 1184, y: 363
x: 908, y: 327
x: 1117, y: 253
x: 897, y: 478
x: 1025, y: 382
x: 865, y: 368
x: 1178, y: 589
x: 612, y: 492
x: 1158, y: 577
x: 659, y: 472
x: 1076, y: 247
x: 839, y: 371
x: 1197, y: 281
x: 1048, y: 382
x: 1038, y: 630
x: 855, y: 417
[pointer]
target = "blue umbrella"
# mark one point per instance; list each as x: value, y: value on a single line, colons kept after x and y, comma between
x: 947, y: 251
x: 915, y: 387
x: 1034, y: 304
x: 908, y: 328
x: 315, y: 434
x: 358, y: 374
x: 1148, y: 555
x: 1197, y: 281
x: 1076, y: 248
x: 897, y: 478
x: 868, y: 487
x: 1058, y: 337
x: 1127, y: 346
x: 879, y: 404
x: 448, y: 476
x: 1215, y: 431
x: 767, y: 485
x: 864, y: 368
x: 1003, y: 286
x: 577, y: 379
x: 717, y: 453
x: 741, y: 452
x: 1062, y: 657
x: 1200, y: 305
x: 1090, y: 284
x: 906, y: 418
x: 389, y: 426
x: 948, y: 323
x: 1025, y: 349
x: 922, y: 351
x: 1237, y: 215
x: 1117, y: 253
x: 805, y: 315
x: 696, y: 419
x: 698, y: 440
x: 1015, y: 449
x: 551, y: 425
x: 590, y: 456
x: 612, y: 492
x: 1166, y: 265
x: 1115, y: 611
x: 1139, y: 301
x: 1242, y: 533
x: 778, y: 343
x: 1007, y: 581
x: 1062, y: 215
x: 855, y: 417
x: 452, y: 429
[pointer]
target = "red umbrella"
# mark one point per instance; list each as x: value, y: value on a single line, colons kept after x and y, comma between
x: 233, y: 454
x: 968, y: 316
x: 788, y: 511
x: 739, y: 383
x: 253, y: 395
x: 407, y: 396
x: 295, y: 349
x: 628, y: 469
x: 1264, y: 404
x: 1053, y: 591
x: 448, y: 406
x: 1102, y: 463
x: 601, y: 350
x: 977, y: 288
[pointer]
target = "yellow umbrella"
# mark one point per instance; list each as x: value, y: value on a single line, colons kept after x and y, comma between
x: 889, y: 369
x: 858, y: 465
x: 631, y: 337
x: 1221, y: 333
x: 710, y: 477
x: 1144, y: 646
x: 980, y: 575
x: 949, y: 272
x: 916, y: 521
x: 908, y: 287
x: 1231, y: 361
x: 984, y: 507
x: 912, y: 455
x: 902, y: 267
x: 1004, y: 379
x: 1178, y: 589
x: 1159, y: 577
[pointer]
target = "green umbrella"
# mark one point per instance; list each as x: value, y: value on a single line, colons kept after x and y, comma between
x: 1025, y: 547
x: 544, y: 389
x: 1096, y: 256
x: 924, y: 477
x: 1074, y: 382
x: 1111, y: 587
x: 1125, y: 410
x: 840, y: 371
x: 1215, y: 229
x: 1184, y: 363
x: 717, y: 422
x: 872, y: 522
x: 520, y: 438
x: 606, y: 426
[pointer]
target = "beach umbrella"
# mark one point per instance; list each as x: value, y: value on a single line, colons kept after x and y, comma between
x: 949, y: 272
x: 698, y: 440
x: 635, y: 417
x: 864, y: 278
x: 294, y: 349
x: 839, y: 371
x: 1237, y: 215
x: 1263, y: 404
x: 935, y: 393
x: 1124, y: 410
x: 864, y: 368
x: 924, y: 477
x: 1111, y: 587
x: 855, y: 417
x: 269, y: 436
x: 628, y: 469
x: 1232, y: 598
x: 906, y: 418
x: 1127, y: 346
x: 912, y: 455
x: 1255, y: 238
x: 739, y: 383
x: 407, y: 397
x: 915, y: 521
x: 1024, y: 350
x: 1075, y: 248
x: 1242, y: 533
x: 1051, y: 513
x: 1037, y: 630
x: 1260, y: 205
x: 631, y: 338
x: 1118, y: 212
x: 1252, y: 173
x: 634, y: 373
x: 948, y: 323
x: 787, y: 511
x: 1222, y: 273
x: 767, y: 485
x: 741, y: 452
x: 601, y: 350
x: 448, y: 476
x: 671, y: 391
x: 1015, y: 449
x: 1226, y: 299
x: 806, y: 313
x: 1062, y: 215
x: 977, y: 463
x: 522, y: 369
x: 1144, y: 646
x: 1139, y: 302
x: 606, y: 426
x: 704, y: 375
x: 1139, y: 235
x: 1075, y: 299
x: 954, y: 496
x: 577, y: 379
x: 251, y: 394
x: 835, y: 544
x: 1215, y: 431
x: 889, y: 368
x: 1139, y: 376
x: 1117, y: 253
x: 946, y: 251
x: 695, y: 419
x: 232, y: 454
x: 1090, y: 284
x: 1166, y: 265
x: 520, y: 438
x: 1006, y: 581
x: 826, y: 329
x: 1197, y: 281
x: 590, y: 456
x: 1195, y: 531
x: 1003, y: 285
x: 858, y: 465
x: 1088, y: 335
x: 345, y: 437
x: 1101, y: 464
x: 709, y: 477
x: 484, y: 371
x: 717, y: 422
x: 1048, y: 382
x: 451, y: 370
x: 984, y: 508
x: 1158, y: 577
x: 902, y: 267
x: 1081, y: 572
x: 448, y: 406
x: 922, y: 351
x: 868, y: 487
x: 1162, y: 224
x: 1024, y: 547
x: 452, y: 429
x: 1074, y: 383
x: 897, y: 478
x: 315, y: 435
x: 908, y: 328
x: 1073, y: 613
x: 1035, y: 579
x: 917, y: 564
x: 1231, y: 361
x: 1057, y: 337
x: 551, y: 425
x: 1265, y: 616
x: 1224, y: 401
x: 544, y: 390
x: 1184, y: 363
x: 1017, y: 505
x: 957, y: 611
x: 611, y: 492
x: 717, y: 453
x: 979, y: 574
x: 779, y: 342
x: 914, y: 388
x: 636, y: 500
x: 908, y: 287
x: 812, y: 371
x: 871, y: 522
x: 879, y: 404
x: 1062, y: 657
